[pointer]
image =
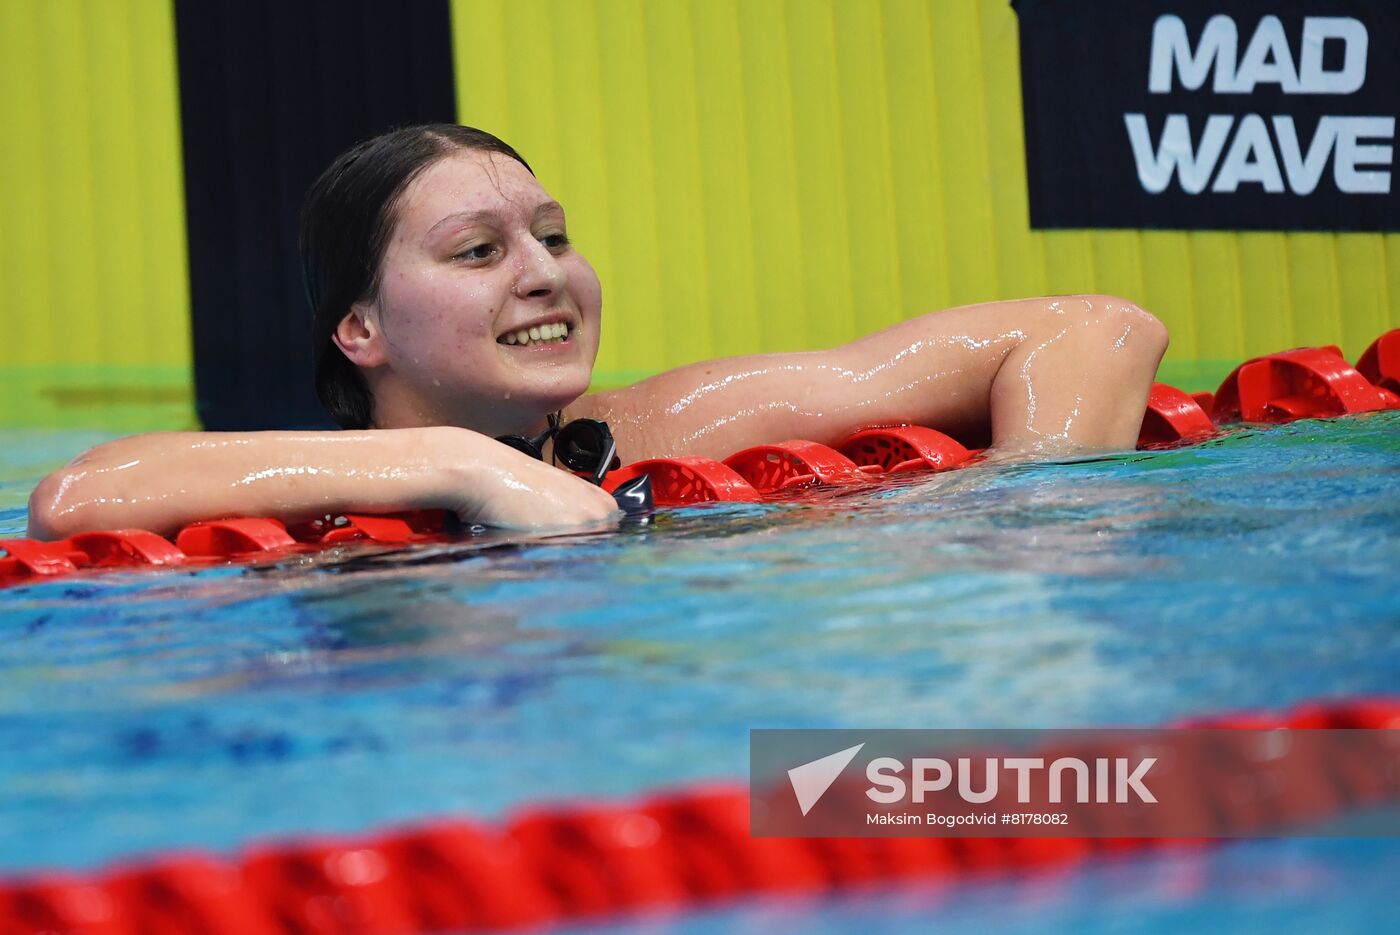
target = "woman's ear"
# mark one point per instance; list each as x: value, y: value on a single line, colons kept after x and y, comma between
x: 359, y: 337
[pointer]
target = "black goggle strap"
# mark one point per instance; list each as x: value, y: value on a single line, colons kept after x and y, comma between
x: 534, y: 447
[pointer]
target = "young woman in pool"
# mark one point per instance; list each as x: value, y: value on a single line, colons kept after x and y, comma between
x: 451, y: 308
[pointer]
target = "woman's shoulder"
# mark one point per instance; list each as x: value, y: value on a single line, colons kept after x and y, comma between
x: 707, y: 408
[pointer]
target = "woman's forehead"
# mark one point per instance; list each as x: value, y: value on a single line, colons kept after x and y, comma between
x: 470, y: 182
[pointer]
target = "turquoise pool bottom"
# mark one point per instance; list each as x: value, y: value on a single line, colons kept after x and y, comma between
x: 143, y: 712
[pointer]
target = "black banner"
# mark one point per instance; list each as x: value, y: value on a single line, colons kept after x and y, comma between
x: 1211, y: 114
x: 270, y: 92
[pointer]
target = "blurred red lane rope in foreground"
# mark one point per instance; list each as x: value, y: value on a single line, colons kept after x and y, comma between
x: 675, y: 850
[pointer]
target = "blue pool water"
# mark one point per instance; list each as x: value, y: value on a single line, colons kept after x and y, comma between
x: 143, y: 712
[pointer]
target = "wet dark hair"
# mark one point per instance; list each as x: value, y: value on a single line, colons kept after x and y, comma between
x: 346, y: 220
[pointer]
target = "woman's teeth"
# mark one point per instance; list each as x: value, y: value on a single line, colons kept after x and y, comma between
x: 542, y: 334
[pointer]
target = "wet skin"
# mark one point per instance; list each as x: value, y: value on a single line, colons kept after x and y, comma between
x: 1045, y: 376
x: 479, y: 255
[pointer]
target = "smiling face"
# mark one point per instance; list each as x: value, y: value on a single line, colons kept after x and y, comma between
x: 485, y: 317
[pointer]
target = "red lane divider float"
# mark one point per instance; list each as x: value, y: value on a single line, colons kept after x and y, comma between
x: 790, y: 464
x: 678, y: 481
x: 900, y: 448
x: 27, y: 560
x: 32, y: 558
x: 234, y: 537
x: 1380, y: 363
x: 679, y: 850
x: 1302, y: 383
x: 1173, y: 418
x: 126, y: 547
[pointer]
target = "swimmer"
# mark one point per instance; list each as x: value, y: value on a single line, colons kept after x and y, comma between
x: 450, y: 308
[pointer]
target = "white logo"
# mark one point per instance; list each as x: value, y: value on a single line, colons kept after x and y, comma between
x: 1277, y: 161
x: 1268, y: 59
x: 811, y: 780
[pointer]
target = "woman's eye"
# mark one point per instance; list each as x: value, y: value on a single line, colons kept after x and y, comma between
x: 480, y: 252
x: 555, y: 241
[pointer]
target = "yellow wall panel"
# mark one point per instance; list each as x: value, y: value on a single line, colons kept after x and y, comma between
x: 1312, y: 274
x: 746, y: 175
x: 1361, y: 289
x: 757, y: 175
x: 679, y: 226
x: 921, y: 229
x: 727, y: 220
x: 775, y: 234
x: 870, y: 192
x: 92, y: 252
x: 1263, y: 260
x: 826, y: 305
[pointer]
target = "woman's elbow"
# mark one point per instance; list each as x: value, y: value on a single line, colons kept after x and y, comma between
x: 64, y: 502
x: 1129, y: 327
x: 51, y: 515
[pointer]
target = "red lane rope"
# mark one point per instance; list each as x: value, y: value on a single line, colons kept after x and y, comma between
x: 680, y: 850
x: 1282, y: 387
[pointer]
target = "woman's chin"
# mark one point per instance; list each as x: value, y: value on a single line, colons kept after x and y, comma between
x: 556, y: 392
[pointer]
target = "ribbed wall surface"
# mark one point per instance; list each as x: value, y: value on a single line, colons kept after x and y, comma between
x: 92, y: 242
x: 746, y: 174
x: 757, y: 175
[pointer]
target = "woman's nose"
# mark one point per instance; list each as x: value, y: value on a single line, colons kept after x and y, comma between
x: 540, y: 271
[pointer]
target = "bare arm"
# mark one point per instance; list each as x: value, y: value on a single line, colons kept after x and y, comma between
x: 163, y: 481
x: 1043, y: 375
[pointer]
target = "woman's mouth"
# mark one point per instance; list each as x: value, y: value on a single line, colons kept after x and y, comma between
x: 553, y: 333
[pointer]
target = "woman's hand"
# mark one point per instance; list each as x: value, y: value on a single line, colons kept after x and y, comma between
x: 500, y: 486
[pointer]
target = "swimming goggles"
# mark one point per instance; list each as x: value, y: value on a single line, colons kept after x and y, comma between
x: 585, y: 446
